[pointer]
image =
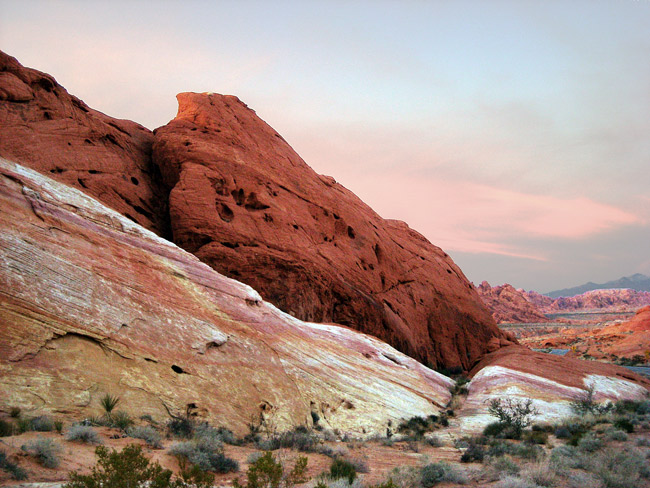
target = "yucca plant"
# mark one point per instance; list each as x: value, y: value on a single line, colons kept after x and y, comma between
x: 108, y: 403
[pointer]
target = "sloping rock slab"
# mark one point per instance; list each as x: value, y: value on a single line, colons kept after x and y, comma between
x: 92, y: 303
x: 552, y: 383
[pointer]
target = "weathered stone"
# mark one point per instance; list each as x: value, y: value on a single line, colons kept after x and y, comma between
x: 45, y: 128
x: 246, y: 204
x: 92, y: 303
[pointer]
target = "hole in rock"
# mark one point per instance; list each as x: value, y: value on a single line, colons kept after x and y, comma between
x: 46, y: 84
x: 81, y: 182
x: 230, y: 245
x: 351, y: 233
x: 449, y: 271
x: 177, y: 369
x: 134, y: 180
x: 187, y: 143
x: 238, y: 195
x: 93, y: 171
x: 268, y: 218
x: 295, y: 226
x: 225, y: 212
x: 87, y: 141
x: 47, y: 115
x: 150, y: 360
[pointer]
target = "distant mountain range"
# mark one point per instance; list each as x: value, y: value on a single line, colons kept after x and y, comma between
x: 636, y: 281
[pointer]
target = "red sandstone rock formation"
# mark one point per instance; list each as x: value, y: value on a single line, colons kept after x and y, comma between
x: 616, y: 300
x: 246, y: 204
x: 44, y: 127
x: 91, y: 303
x: 509, y: 305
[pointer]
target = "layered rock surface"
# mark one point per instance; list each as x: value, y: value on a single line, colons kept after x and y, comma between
x: 618, y: 299
x: 92, y: 303
x: 509, y: 305
x: 45, y: 128
x: 246, y: 204
x: 551, y: 382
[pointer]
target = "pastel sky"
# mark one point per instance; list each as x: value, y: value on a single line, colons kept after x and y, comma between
x: 513, y: 134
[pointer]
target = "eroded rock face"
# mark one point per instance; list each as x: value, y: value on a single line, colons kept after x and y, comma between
x: 246, y: 204
x: 45, y: 128
x: 551, y: 382
x: 92, y: 303
x: 509, y: 305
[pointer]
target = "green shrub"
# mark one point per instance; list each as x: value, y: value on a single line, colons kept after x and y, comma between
x: 536, y: 437
x: 341, y: 468
x: 6, y: 428
x: 181, y: 427
x: 267, y: 472
x: 108, y: 403
x: 562, y: 432
x: 501, y: 430
x: 130, y: 468
x: 615, y: 435
x: 504, y: 465
x: 406, y: 477
x: 205, y: 452
x: 525, y: 451
x: 147, y: 433
x: 58, y: 426
x: 23, y: 425
x: 42, y: 424
x: 618, y: 468
x: 585, y: 403
x: 624, y: 424
x: 514, y: 482
x: 14, y: 412
x: 516, y: 414
x: 418, y: 426
x: 590, y: 443
x: 474, y: 453
x: 433, y: 441
x: 434, y: 473
x: 46, y: 451
x: 15, y: 471
x: 540, y: 475
x: 83, y: 433
x: 120, y: 420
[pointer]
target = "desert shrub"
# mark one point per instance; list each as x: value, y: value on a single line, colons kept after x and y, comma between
x: 618, y: 468
x: 340, y: 468
x: 584, y: 403
x: 343, y: 483
x: 418, y: 426
x: 643, y: 442
x: 42, y: 424
x: 511, y: 481
x: 590, y: 443
x: 624, y: 424
x: 517, y: 414
x: 433, y: 441
x: 46, y: 451
x: 640, y: 407
x: 536, y: 437
x: 6, y: 428
x: 181, y: 427
x: 474, y: 453
x: 15, y: 471
x: 58, y: 426
x: 299, y: 439
x: 206, y: 453
x: 227, y: 436
x: 405, y: 477
x: 83, y: 433
x: 503, y: 466
x: 615, y: 435
x: 525, y: 451
x: 360, y: 464
x: 109, y: 402
x: 501, y: 430
x: 147, y: 433
x: 434, y: 473
x: 23, y: 425
x: 460, y: 387
x: 544, y: 427
x: 130, y: 468
x: 562, y: 432
x: 14, y: 412
x: 121, y: 420
x: 267, y: 472
x: 540, y: 475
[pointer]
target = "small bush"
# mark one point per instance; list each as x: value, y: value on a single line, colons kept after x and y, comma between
x: 562, y: 432
x: 148, y: 434
x: 181, y: 427
x: 585, y: 403
x: 58, y: 426
x: 516, y: 414
x: 540, y: 475
x: 405, y: 477
x: 643, y: 442
x: 536, y: 437
x: 205, y: 454
x: 525, y: 451
x: 618, y: 468
x: 501, y: 430
x: 130, y: 468
x: 434, y: 473
x: 341, y: 468
x: 23, y: 425
x: 14, y: 412
x: 298, y: 439
x: 504, y: 465
x: 46, y: 451
x: 474, y: 453
x: 121, y: 420
x: 615, y: 435
x: 433, y: 441
x: 6, y: 428
x: 267, y: 472
x: 15, y: 471
x: 83, y: 433
x: 624, y: 424
x: 514, y: 482
x: 109, y: 402
x: 42, y: 424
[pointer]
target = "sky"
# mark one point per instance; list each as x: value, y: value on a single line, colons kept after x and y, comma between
x: 513, y: 134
